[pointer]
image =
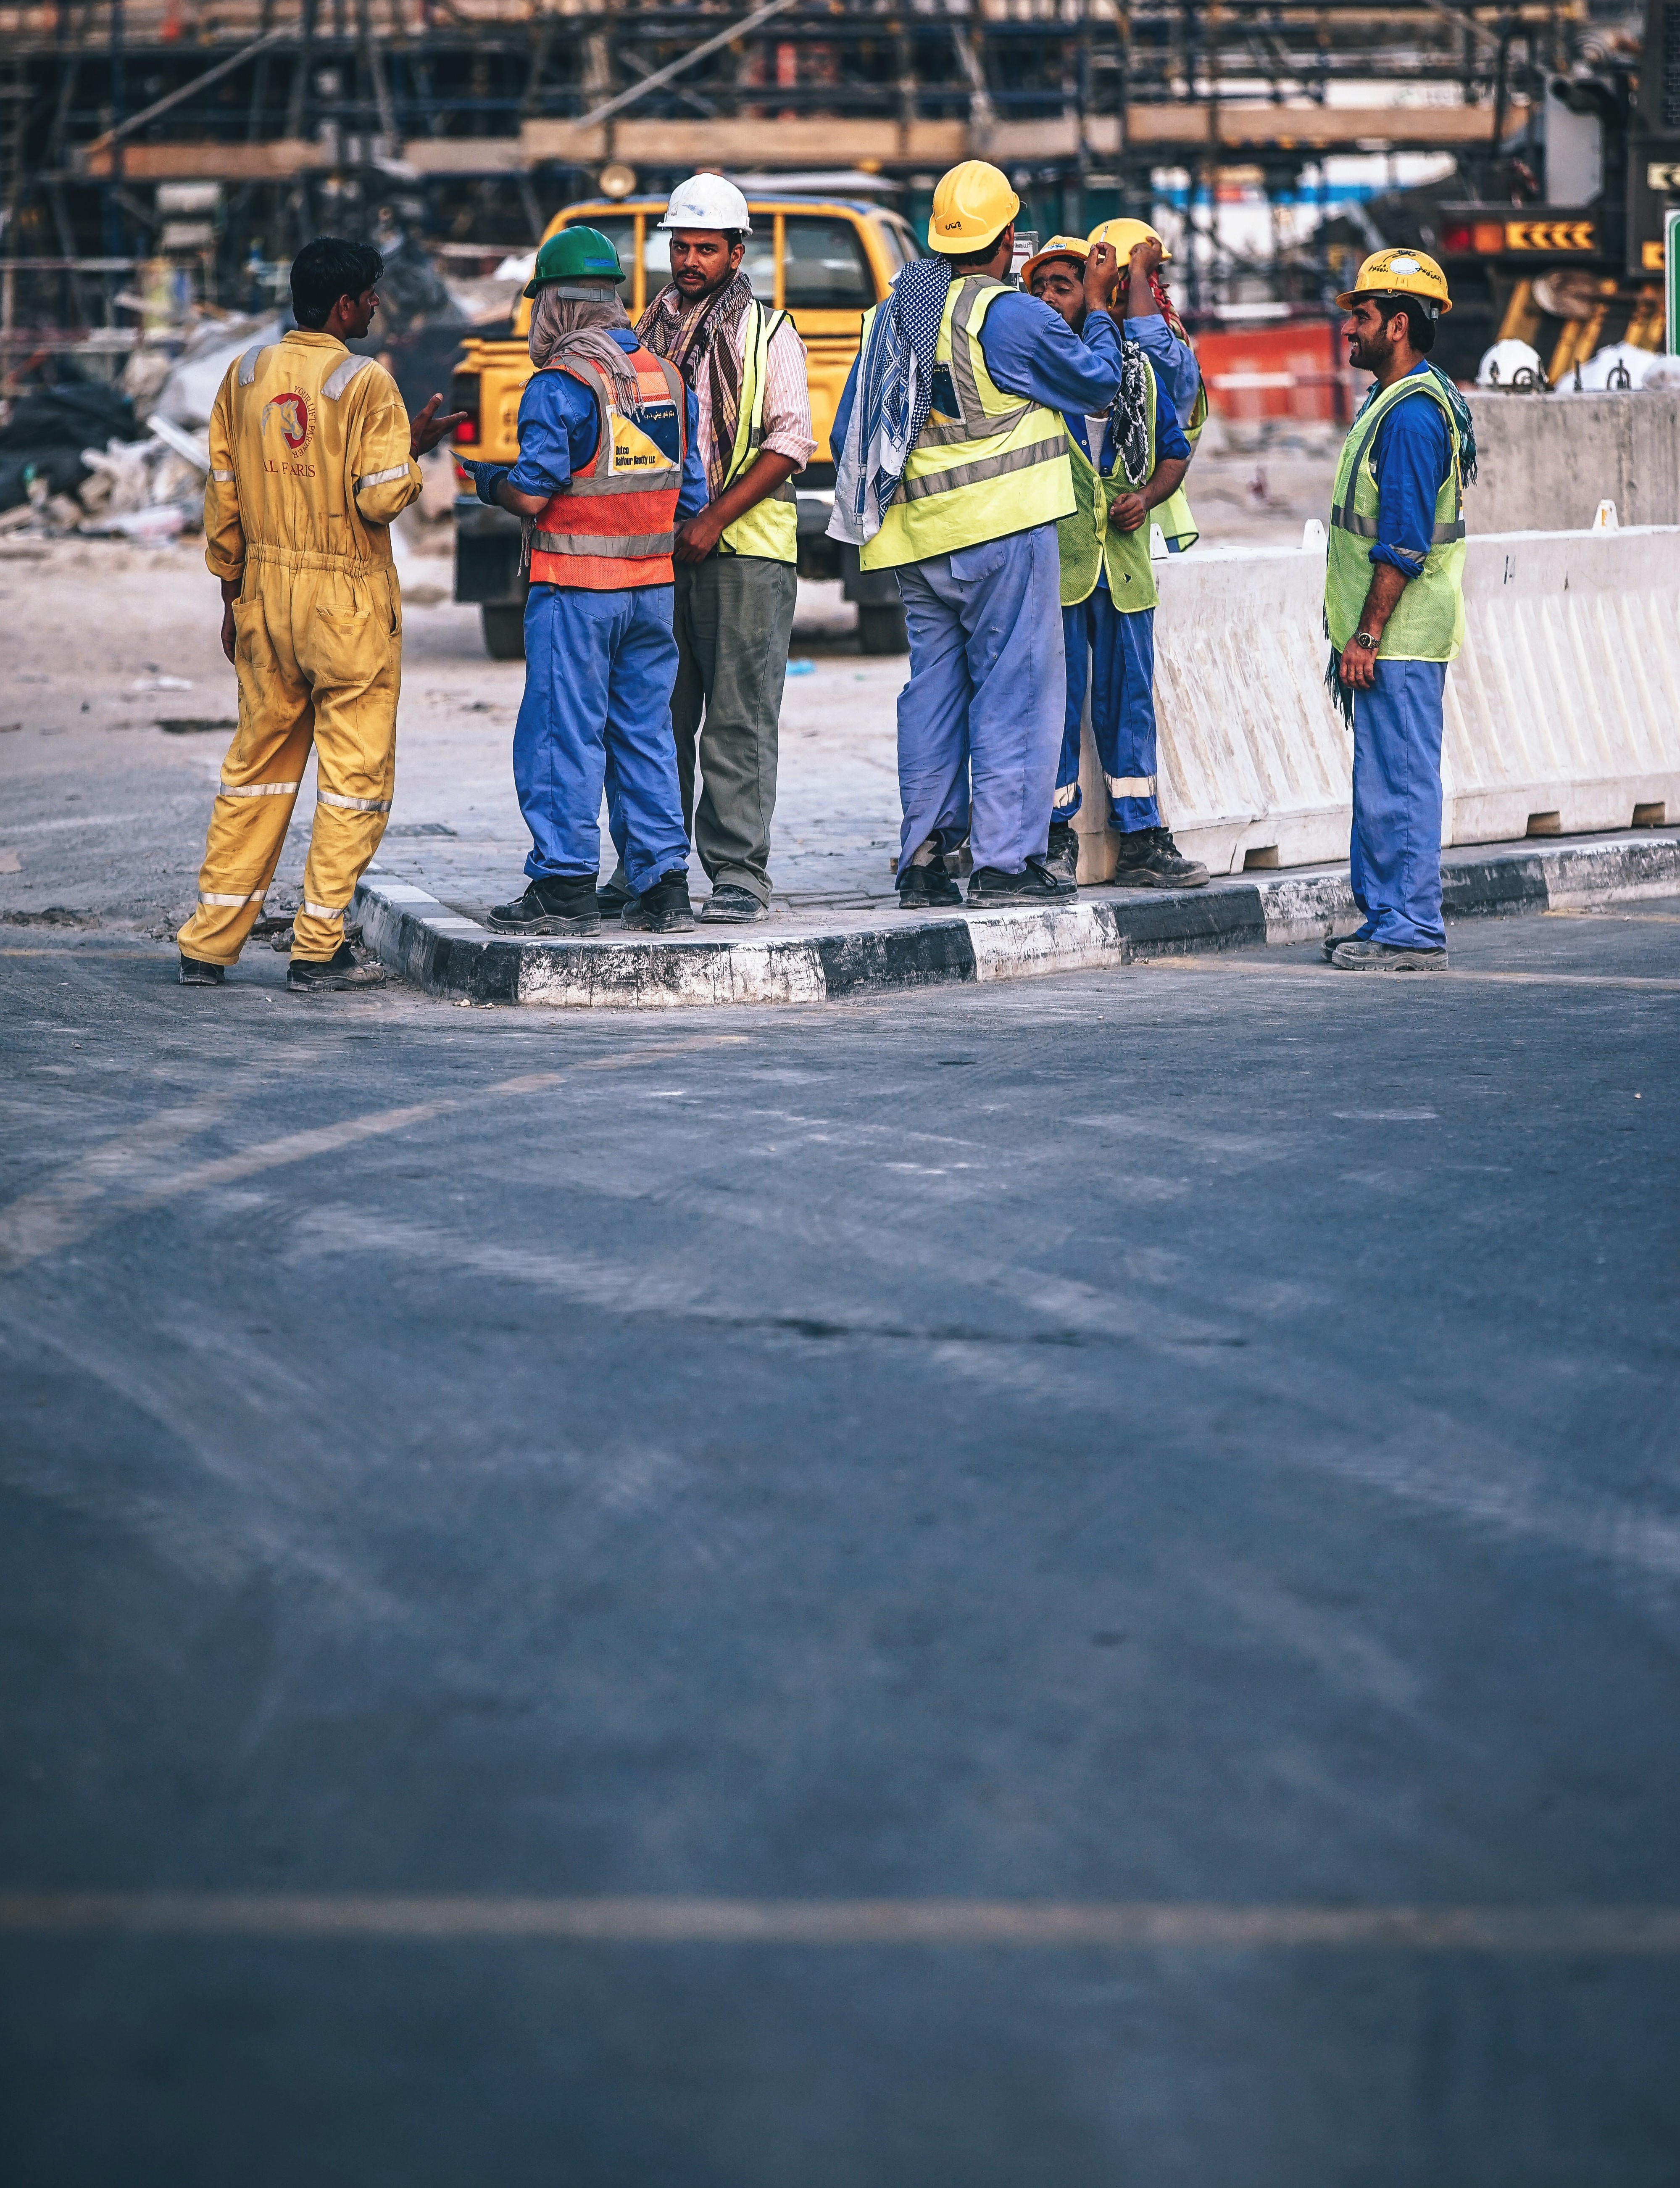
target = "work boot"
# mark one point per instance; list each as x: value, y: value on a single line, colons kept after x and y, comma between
x: 987, y: 885
x: 1356, y: 957
x: 664, y: 909
x: 921, y: 887
x: 612, y: 898
x: 554, y: 904
x: 1062, y: 858
x: 195, y: 973
x: 1333, y: 943
x: 1148, y: 858
x: 730, y: 907
x: 321, y: 975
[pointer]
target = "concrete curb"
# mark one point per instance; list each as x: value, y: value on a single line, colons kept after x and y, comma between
x: 450, y: 955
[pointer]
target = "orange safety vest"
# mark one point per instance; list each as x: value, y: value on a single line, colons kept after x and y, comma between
x: 613, y: 524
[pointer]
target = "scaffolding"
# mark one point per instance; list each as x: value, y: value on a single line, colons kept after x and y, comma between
x: 469, y: 121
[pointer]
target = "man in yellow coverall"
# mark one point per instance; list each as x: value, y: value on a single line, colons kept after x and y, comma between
x: 311, y: 458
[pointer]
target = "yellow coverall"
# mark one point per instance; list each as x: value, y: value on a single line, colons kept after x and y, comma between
x: 309, y: 465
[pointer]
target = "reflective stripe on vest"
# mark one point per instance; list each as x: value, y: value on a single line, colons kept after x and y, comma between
x: 1088, y: 545
x: 612, y: 526
x: 1428, y: 622
x: 770, y: 529
x: 1001, y: 465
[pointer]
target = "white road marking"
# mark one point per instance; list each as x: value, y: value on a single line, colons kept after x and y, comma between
x: 1064, y: 1925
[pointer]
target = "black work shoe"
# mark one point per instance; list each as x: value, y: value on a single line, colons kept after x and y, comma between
x: 1149, y: 859
x: 664, y: 909
x: 195, y: 973
x: 1037, y: 885
x: 556, y: 904
x: 1333, y: 943
x: 612, y: 898
x: 1062, y: 858
x: 730, y: 906
x: 921, y: 888
x: 1387, y: 958
x: 319, y: 976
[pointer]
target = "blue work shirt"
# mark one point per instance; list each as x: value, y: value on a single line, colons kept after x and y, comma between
x: 1031, y: 351
x: 1413, y: 455
x: 559, y: 429
x: 1174, y: 361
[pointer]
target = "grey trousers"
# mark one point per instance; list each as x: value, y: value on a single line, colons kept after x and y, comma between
x: 734, y: 616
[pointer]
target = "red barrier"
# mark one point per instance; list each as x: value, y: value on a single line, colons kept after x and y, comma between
x: 1287, y: 368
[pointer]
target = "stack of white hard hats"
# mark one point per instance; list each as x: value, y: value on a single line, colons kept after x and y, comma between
x: 708, y: 201
x: 1511, y: 364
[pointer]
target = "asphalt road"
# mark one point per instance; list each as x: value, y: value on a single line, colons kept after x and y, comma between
x: 1196, y: 1445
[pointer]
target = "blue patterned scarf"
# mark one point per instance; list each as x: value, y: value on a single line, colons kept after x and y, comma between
x: 893, y: 396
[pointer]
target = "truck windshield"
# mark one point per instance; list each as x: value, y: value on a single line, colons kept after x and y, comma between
x: 823, y: 267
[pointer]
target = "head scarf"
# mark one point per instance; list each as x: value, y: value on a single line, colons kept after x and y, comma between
x: 704, y: 334
x: 569, y: 326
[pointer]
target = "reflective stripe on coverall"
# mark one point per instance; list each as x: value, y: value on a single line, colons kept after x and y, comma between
x: 1122, y: 709
x: 309, y: 465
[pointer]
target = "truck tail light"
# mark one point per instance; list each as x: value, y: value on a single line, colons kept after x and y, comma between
x: 1489, y: 235
x: 464, y: 395
x: 1456, y: 238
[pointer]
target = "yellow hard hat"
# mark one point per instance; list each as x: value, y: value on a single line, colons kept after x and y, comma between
x: 1400, y: 272
x: 1059, y: 246
x: 971, y: 207
x: 1124, y: 236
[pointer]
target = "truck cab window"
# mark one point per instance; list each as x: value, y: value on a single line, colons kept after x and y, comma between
x: 823, y: 267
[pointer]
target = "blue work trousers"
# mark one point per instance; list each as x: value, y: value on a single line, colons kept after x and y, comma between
x: 980, y: 719
x: 1117, y: 652
x: 1395, y: 854
x: 596, y: 716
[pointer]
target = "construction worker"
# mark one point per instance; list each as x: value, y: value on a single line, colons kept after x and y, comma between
x: 1147, y: 317
x: 608, y: 462
x: 1394, y: 606
x: 1125, y: 466
x: 313, y: 458
x: 736, y: 575
x: 953, y: 470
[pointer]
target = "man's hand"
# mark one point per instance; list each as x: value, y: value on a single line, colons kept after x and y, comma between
x: 230, y: 636
x: 1102, y: 269
x: 426, y: 430
x: 1359, y: 667
x: 1127, y: 511
x: 696, y: 536
x: 1144, y: 258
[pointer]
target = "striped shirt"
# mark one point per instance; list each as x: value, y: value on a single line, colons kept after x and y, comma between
x: 787, y: 400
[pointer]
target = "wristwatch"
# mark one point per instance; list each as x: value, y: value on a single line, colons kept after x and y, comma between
x: 1364, y: 638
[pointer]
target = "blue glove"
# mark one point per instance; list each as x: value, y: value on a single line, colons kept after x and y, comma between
x: 487, y: 481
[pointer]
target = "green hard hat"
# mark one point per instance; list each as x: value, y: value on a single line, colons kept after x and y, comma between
x: 575, y: 254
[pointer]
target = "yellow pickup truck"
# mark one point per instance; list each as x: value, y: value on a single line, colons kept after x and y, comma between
x: 824, y: 260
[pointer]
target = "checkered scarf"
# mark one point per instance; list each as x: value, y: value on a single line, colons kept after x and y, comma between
x: 705, y: 332
x: 892, y: 397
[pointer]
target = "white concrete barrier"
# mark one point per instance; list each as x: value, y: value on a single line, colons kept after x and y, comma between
x: 1563, y: 712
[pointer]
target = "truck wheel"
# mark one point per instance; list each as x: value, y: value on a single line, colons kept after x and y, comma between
x: 882, y: 630
x: 503, y: 631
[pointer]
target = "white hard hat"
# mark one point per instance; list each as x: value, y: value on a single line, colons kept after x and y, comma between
x: 708, y: 201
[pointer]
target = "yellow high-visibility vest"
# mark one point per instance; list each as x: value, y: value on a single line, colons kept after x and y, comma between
x: 998, y: 466
x: 770, y: 529
x: 1429, y: 623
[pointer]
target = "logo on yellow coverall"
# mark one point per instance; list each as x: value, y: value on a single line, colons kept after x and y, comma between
x: 292, y: 412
